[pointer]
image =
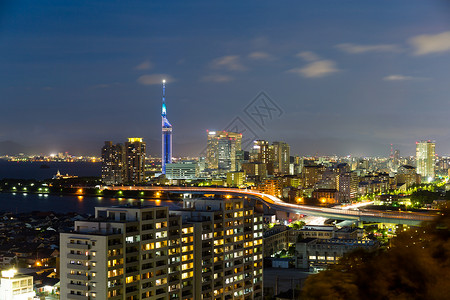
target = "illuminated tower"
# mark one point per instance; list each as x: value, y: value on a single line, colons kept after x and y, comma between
x: 425, y: 159
x: 166, y: 134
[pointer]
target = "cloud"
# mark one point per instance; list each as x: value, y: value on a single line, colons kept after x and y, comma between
x: 217, y: 78
x: 431, y: 43
x: 145, y: 65
x: 398, y: 77
x: 155, y: 79
x: 260, y: 56
x: 316, y: 69
x: 229, y: 62
x: 308, y: 56
x: 357, y: 49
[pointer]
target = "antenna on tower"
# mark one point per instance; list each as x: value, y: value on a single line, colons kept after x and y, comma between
x: 164, y: 89
x: 392, y: 152
x: 163, y: 112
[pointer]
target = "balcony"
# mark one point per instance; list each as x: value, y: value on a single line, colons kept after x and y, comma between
x: 78, y: 287
x: 77, y: 277
x: 78, y: 256
x: 77, y: 297
x: 77, y: 246
x: 77, y: 267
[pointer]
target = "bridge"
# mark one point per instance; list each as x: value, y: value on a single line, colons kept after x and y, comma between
x: 375, y: 216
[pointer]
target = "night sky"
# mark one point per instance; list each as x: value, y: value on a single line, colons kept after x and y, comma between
x: 346, y: 77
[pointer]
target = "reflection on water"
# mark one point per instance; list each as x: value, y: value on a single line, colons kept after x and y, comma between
x: 19, y: 203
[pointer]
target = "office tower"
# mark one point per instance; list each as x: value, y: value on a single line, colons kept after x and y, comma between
x: 166, y: 134
x: 221, y: 150
x: 135, y: 160
x: 281, y: 158
x: 113, y: 164
x: 425, y: 157
x: 206, y: 250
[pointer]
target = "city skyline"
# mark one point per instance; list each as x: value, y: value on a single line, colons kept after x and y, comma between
x: 77, y: 75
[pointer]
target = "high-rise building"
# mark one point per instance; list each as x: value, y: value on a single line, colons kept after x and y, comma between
x: 425, y: 159
x: 347, y: 185
x: 312, y: 174
x: 221, y: 150
x: 113, y: 164
x: 281, y: 157
x: 166, y: 134
x: 262, y: 153
x: 135, y: 160
x: 207, y: 250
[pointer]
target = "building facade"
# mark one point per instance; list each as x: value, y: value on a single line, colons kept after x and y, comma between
x: 113, y: 164
x: 182, y: 170
x: 135, y: 160
x: 16, y: 286
x: 425, y: 159
x: 222, y: 149
x: 312, y: 252
x: 207, y: 250
x: 281, y: 158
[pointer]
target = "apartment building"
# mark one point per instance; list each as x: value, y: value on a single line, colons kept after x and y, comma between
x: 208, y: 249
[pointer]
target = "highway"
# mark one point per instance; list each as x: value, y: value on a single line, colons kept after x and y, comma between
x: 341, y: 213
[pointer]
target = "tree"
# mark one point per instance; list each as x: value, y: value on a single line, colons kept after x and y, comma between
x: 416, y: 266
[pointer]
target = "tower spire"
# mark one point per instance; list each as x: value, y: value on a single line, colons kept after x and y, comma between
x: 163, y: 109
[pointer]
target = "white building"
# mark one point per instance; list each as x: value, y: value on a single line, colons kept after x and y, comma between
x: 16, y: 287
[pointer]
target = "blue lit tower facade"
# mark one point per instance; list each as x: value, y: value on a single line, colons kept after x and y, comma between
x: 166, y: 134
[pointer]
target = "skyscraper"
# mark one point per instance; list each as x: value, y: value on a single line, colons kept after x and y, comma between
x: 166, y: 134
x: 135, y: 160
x: 262, y: 152
x: 221, y: 150
x: 425, y: 157
x: 281, y: 158
x: 113, y: 163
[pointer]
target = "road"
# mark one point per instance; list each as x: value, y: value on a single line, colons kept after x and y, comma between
x: 340, y: 212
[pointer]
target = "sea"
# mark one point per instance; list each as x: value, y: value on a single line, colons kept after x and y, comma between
x: 27, y: 202
x: 35, y: 170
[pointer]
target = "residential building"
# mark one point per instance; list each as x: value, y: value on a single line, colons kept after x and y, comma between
x: 113, y: 164
x: 406, y: 175
x: 347, y: 184
x: 425, y: 159
x: 15, y: 286
x: 281, y: 158
x: 135, y: 160
x: 206, y: 250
